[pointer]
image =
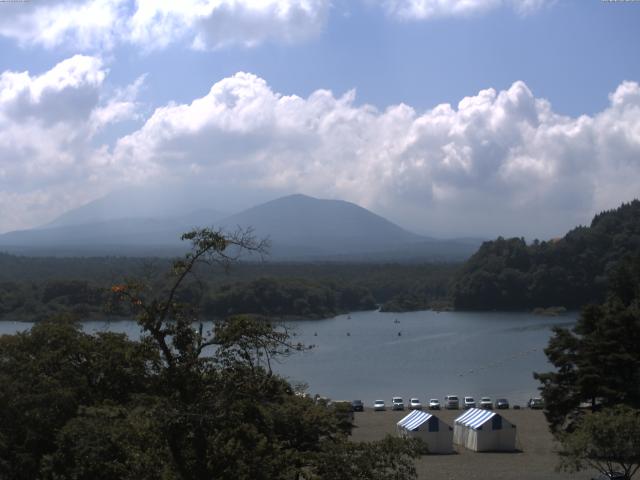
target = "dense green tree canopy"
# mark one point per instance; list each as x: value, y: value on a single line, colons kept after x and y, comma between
x: 181, y: 404
x: 607, y: 441
x: 34, y: 289
x: 509, y: 274
x: 598, y: 361
x: 292, y: 297
x: 48, y: 373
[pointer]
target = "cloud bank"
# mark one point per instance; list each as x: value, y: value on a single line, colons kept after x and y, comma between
x: 495, y: 158
x: 47, y: 123
x: 498, y: 162
x: 99, y: 25
x: 201, y: 24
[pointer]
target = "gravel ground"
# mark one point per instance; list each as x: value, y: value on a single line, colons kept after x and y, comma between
x: 535, y: 460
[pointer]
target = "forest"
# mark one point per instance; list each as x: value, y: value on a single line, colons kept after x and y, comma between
x: 510, y: 274
x: 504, y: 274
x: 34, y: 288
x: 103, y: 407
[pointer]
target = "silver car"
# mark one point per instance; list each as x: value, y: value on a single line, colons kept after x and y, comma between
x: 451, y: 402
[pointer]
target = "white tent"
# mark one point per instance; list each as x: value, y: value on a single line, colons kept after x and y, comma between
x: 436, y: 434
x: 484, y: 430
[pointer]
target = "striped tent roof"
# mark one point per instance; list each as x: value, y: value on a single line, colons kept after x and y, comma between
x: 475, y: 418
x: 414, y: 420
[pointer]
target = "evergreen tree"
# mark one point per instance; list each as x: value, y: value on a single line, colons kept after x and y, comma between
x: 598, y: 361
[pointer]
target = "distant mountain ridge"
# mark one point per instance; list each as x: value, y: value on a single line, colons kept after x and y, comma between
x: 299, y: 228
x: 157, y: 203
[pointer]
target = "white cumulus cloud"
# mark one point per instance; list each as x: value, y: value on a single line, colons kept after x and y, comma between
x: 498, y: 162
x: 152, y: 24
x: 47, y: 122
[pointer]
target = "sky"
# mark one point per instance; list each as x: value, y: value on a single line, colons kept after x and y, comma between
x: 449, y: 117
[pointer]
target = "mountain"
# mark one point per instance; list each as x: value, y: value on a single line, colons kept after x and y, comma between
x: 124, y: 236
x: 306, y: 228
x: 299, y: 228
x: 324, y: 226
x: 157, y: 203
x: 572, y: 271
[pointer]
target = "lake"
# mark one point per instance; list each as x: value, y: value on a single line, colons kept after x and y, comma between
x: 371, y: 355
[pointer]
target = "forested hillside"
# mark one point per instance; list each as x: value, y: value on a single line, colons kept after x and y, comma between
x: 572, y: 271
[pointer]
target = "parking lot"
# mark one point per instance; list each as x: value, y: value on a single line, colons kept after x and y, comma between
x: 536, y: 458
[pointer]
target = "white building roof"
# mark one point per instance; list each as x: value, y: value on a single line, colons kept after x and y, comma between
x: 475, y: 418
x: 414, y: 420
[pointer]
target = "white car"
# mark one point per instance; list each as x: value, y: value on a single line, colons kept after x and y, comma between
x: 414, y: 404
x: 397, y: 403
x: 451, y: 402
x: 434, y: 404
x: 469, y: 402
x: 378, y: 406
x: 485, y: 402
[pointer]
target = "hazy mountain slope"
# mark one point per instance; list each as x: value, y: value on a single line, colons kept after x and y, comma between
x: 323, y: 226
x: 121, y: 232
x: 300, y: 228
x: 147, y: 203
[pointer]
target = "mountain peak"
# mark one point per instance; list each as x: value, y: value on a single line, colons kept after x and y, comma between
x: 331, y: 225
x: 299, y: 227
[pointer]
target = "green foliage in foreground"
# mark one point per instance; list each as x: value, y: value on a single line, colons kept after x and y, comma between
x: 508, y: 274
x: 50, y: 373
x: 598, y: 361
x: 84, y: 407
x: 607, y: 441
x: 598, y: 364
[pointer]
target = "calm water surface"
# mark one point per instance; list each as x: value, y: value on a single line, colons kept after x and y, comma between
x: 371, y: 355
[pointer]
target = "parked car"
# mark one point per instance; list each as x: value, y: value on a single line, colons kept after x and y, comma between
x: 397, y: 403
x: 451, y: 402
x: 357, y: 406
x: 485, y: 402
x: 535, y: 403
x: 379, y: 406
x: 434, y: 404
x: 502, y: 404
x: 414, y: 404
x: 469, y: 402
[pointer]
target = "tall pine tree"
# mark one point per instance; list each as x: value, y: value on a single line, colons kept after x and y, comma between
x: 598, y: 361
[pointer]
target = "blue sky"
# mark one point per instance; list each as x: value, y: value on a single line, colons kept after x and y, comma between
x: 342, y: 100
